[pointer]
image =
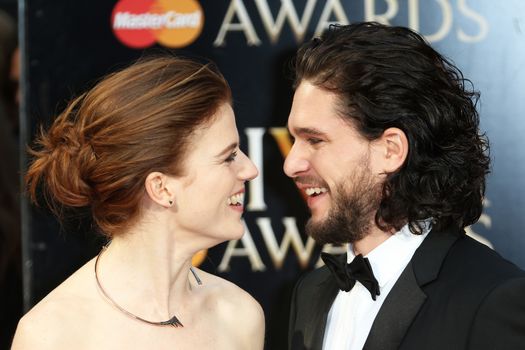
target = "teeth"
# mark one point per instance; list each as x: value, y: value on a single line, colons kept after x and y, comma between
x: 315, y: 190
x: 236, y: 199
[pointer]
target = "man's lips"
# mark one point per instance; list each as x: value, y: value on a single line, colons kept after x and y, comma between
x: 312, y: 189
x: 312, y: 193
x: 310, y: 186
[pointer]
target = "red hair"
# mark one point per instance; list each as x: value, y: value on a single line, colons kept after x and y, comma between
x: 99, y: 151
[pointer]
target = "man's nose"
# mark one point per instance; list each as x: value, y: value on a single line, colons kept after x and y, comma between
x: 295, y: 163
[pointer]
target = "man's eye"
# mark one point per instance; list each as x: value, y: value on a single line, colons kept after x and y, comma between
x: 231, y: 158
x: 314, y: 141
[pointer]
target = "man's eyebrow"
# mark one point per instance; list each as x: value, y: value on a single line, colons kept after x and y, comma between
x: 228, y: 149
x: 307, y: 131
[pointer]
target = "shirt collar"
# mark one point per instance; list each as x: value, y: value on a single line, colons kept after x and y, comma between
x: 393, y: 254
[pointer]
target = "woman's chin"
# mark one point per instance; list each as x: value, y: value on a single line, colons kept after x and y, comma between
x: 238, y: 231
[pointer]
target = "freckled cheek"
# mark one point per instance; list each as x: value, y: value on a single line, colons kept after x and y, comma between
x: 218, y: 190
x: 202, y: 190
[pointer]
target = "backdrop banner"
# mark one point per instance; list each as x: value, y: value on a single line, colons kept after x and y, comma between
x: 70, y: 44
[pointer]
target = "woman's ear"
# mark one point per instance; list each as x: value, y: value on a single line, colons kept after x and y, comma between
x: 395, y: 149
x: 159, y: 189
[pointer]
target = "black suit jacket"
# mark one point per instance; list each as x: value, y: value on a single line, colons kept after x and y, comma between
x: 454, y: 294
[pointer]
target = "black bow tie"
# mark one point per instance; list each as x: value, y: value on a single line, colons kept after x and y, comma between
x: 347, y: 274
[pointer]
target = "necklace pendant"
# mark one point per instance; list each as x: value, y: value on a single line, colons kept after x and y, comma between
x: 174, y: 322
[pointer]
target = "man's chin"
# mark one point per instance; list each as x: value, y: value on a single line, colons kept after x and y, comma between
x: 318, y: 216
x: 317, y: 229
x: 335, y: 229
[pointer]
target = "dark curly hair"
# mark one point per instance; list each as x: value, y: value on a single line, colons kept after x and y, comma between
x: 390, y: 77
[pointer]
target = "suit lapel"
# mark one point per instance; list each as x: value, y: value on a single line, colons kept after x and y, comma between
x: 406, y: 297
x: 396, y: 313
x: 322, y: 301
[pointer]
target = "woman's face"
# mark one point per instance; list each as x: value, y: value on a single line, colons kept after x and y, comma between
x: 211, y: 191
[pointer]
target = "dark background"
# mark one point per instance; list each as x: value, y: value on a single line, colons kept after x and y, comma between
x: 66, y: 45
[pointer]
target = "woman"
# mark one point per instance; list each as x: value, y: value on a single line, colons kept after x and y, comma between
x: 153, y: 150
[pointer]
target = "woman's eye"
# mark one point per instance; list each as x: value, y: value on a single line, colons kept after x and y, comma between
x: 232, y: 157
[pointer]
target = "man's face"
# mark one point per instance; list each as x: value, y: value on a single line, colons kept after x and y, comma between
x: 334, y: 165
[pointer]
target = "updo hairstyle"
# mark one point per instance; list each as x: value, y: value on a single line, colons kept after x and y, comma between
x: 99, y: 151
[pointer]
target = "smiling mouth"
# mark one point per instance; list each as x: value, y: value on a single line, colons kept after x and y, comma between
x: 236, y: 200
x: 315, y: 191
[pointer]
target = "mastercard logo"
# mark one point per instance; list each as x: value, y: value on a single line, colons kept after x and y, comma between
x: 171, y: 23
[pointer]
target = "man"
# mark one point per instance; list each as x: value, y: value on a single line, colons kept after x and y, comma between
x: 388, y: 151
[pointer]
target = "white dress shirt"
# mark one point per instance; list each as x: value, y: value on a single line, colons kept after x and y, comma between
x: 352, y: 313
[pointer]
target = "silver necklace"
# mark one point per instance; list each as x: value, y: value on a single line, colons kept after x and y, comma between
x: 174, y: 321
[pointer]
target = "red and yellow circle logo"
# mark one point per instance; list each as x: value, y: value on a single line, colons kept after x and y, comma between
x: 142, y: 23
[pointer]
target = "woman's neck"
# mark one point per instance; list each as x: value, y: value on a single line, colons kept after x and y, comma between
x: 147, y: 273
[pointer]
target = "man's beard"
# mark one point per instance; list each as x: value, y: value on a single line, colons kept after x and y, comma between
x: 352, y: 213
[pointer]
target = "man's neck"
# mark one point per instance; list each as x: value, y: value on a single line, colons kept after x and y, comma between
x: 371, y: 241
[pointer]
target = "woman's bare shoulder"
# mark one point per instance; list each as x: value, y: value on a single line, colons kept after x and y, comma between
x: 239, y: 311
x: 57, y: 316
x: 38, y: 329
x: 226, y: 292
